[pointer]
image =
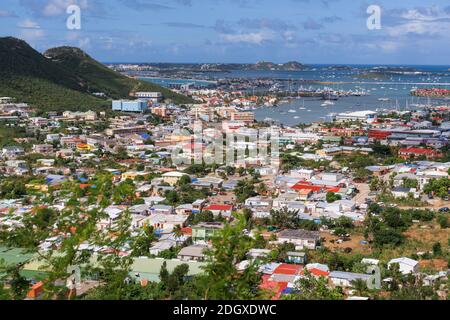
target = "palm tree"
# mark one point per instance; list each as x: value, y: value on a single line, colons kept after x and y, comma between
x: 285, y: 218
x: 262, y: 189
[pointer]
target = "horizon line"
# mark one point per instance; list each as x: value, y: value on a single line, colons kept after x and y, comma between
x: 305, y: 64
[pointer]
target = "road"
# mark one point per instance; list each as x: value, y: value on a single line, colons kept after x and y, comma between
x: 364, y: 191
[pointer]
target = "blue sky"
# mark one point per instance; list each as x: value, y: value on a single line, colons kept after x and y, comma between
x: 309, y: 31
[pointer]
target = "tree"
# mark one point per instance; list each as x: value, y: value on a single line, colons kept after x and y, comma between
x: 443, y: 221
x: 244, y: 190
x: 410, y: 183
x: 388, y: 236
x: 164, y: 274
x: 312, y: 288
x: 374, y: 184
x: 285, y: 218
x: 175, y: 282
x: 439, y: 187
x: 122, y: 153
x: 143, y: 242
x: 18, y: 285
x: 332, y: 197
x: 221, y: 279
x: 437, y: 249
x: 184, y: 180
x: 279, y: 254
x: 230, y: 170
x: 241, y: 171
x: 204, y: 216
x: 360, y: 287
x: 262, y: 189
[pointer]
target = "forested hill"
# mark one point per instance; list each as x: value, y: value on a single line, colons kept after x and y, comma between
x: 64, y: 78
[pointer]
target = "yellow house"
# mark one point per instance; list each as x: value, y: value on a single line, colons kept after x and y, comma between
x: 173, y: 177
x: 132, y: 175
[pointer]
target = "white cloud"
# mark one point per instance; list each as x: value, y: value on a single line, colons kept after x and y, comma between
x: 31, y: 30
x: 28, y: 24
x: 432, y: 21
x: 252, y: 37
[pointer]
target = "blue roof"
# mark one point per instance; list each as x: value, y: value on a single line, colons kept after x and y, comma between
x: 145, y: 135
x: 288, y: 291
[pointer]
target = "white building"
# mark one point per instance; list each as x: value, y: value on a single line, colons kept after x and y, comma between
x: 365, y: 116
x: 300, y: 238
x: 155, y: 97
x: 406, y: 265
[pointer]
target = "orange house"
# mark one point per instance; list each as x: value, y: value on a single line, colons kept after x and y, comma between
x: 36, y: 290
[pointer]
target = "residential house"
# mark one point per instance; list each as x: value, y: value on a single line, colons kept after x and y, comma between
x: 192, y: 253
x: 258, y: 202
x: 346, y: 279
x: 300, y: 238
x: 223, y: 210
x: 296, y: 257
x: 401, y: 192
x: 43, y: 148
x: 207, y: 183
x: 204, y: 232
x: 414, y: 153
x: 406, y: 265
x: 12, y: 152
x: 165, y: 223
x: 184, y: 209
x: 161, y: 209
x: 198, y: 205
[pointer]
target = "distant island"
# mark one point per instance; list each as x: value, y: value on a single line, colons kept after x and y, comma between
x: 210, y: 67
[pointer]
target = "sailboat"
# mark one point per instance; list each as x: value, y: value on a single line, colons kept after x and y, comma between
x: 303, y: 108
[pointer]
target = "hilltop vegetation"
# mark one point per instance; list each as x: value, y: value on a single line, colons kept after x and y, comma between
x: 99, y: 78
x: 64, y: 78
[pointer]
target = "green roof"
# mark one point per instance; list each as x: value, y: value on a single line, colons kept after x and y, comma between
x: 153, y: 266
x: 149, y: 268
x: 14, y: 256
x: 146, y: 267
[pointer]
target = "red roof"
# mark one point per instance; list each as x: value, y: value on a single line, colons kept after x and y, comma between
x: 273, y: 287
x: 318, y: 272
x: 314, y: 188
x: 288, y: 269
x: 416, y: 150
x: 187, y: 231
x: 302, y: 186
x: 219, y: 207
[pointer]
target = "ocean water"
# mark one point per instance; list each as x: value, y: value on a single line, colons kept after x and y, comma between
x: 395, y: 87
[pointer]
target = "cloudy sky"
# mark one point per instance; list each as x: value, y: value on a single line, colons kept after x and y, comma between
x: 309, y: 31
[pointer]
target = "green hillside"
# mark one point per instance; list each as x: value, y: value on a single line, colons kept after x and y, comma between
x: 99, y: 78
x: 64, y: 78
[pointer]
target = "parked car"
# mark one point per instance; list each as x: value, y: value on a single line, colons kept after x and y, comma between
x: 444, y: 210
